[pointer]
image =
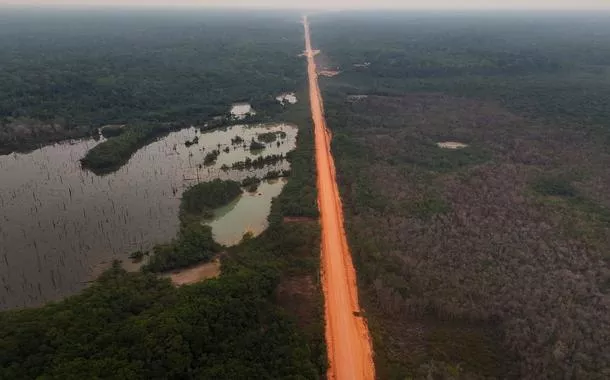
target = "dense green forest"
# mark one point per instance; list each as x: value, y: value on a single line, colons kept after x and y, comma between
x: 489, y: 261
x: 261, y: 319
x: 64, y: 74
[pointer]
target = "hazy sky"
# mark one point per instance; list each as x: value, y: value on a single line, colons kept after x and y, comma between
x: 339, y: 4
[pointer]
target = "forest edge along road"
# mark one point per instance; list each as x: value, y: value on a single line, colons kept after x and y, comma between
x: 350, y: 351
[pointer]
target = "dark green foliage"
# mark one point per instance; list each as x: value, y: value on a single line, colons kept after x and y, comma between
x: 116, y: 151
x: 275, y: 174
x: 532, y: 64
x: 269, y: 137
x: 258, y: 163
x: 112, y: 131
x: 211, y: 157
x: 194, y: 244
x: 200, y: 200
x: 256, y: 146
x: 427, y: 207
x: 556, y: 187
x: 137, y: 256
x: 251, y: 184
x: 195, y: 141
x: 237, y: 140
x: 135, y: 326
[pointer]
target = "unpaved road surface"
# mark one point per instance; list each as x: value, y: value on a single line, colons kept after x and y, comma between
x: 349, y: 346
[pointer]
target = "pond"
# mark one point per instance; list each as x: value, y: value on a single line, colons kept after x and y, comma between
x: 243, y: 215
x: 60, y: 226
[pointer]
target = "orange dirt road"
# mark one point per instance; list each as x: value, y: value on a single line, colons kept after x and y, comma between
x: 350, y: 352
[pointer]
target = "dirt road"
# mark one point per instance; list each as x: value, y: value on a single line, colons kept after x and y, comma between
x: 349, y: 348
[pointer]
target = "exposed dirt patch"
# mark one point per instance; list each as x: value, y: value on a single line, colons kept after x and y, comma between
x: 329, y: 73
x: 195, y: 274
x: 451, y: 145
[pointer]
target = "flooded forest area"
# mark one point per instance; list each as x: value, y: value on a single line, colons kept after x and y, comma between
x: 103, y: 126
x: 137, y: 143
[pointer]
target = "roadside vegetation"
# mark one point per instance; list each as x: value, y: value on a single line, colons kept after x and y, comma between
x: 493, y: 259
x: 194, y: 244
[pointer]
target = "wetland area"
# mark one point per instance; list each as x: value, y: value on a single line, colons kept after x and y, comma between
x: 61, y: 226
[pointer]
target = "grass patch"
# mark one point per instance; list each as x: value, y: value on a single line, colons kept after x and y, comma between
x: 427, y: 207
x: 431, y: 157
x: 554, y: 187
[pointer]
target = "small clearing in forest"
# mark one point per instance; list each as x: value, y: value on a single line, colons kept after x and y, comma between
x: 195, y: 274
x: 451, y: 145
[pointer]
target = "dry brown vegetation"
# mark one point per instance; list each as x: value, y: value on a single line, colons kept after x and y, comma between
x: 473, y: 258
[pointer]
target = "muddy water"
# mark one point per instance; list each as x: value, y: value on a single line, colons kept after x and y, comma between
x: 61, y: 226
x: 243, y: 215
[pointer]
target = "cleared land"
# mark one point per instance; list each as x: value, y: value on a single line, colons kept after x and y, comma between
x: 347, y: 337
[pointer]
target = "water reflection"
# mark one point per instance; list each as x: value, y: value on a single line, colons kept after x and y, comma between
x: 60, y: 226
x: 248, y: 213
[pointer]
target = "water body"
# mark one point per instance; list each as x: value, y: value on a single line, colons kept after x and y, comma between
x: 243, y: 215
x: 60, y: 226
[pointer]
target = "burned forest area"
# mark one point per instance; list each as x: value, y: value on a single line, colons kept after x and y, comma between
x: 472, y: 156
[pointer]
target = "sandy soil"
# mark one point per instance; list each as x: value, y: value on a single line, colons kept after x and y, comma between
x: 348, y: 341
x: 195, y: 274
x: 329, y: 73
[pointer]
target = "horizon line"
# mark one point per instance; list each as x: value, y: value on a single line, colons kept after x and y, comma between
x: 282, y: 8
